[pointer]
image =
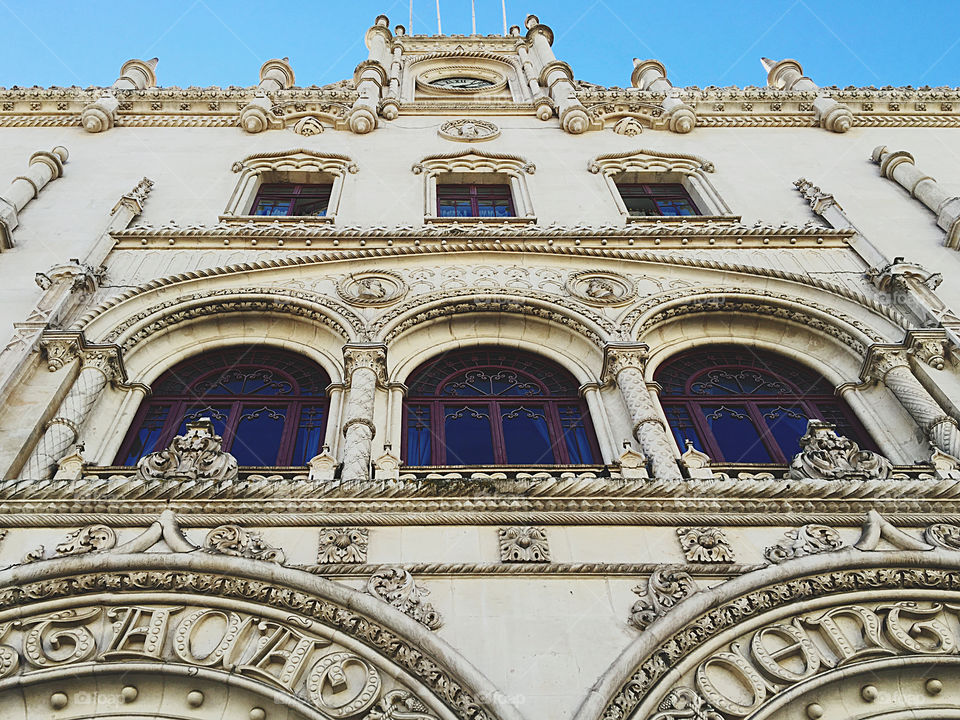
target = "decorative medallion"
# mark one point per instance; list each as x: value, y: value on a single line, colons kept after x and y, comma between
x: 524, y: 544
x: 308, y: 126
x: 705, y: 545
x: 601, y: 288
x: 343, y: 545
x: 468, y: 130
x: 372, y: 289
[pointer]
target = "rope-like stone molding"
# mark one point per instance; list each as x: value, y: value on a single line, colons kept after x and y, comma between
x: 579, y: 569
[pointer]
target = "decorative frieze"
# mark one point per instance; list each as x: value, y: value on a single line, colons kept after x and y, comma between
x: 468, y: 130
x: 396, y: 587
x: 524, y: 544
x: 343, y: 545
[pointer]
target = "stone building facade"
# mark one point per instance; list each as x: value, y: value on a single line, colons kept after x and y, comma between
x: 467, y: 390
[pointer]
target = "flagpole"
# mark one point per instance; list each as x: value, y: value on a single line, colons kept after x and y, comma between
x: 439, y: 28
x: 503, y: 6
x: 410, y: 25
x: 473, y: 15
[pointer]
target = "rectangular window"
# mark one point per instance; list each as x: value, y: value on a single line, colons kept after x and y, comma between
x: 289, y: 199
x: 656, y: 199
x: 486, y: 201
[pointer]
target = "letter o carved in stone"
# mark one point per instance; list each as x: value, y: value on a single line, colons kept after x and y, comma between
x: 739, y: 672
x: 329, y: 685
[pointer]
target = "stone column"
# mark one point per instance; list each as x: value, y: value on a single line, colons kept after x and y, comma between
x: 99, y: 366
x: 390, y: 107
x: 913, y: 288
x: 557, y: 77
x: 371, y: 76
x: 651, y: 75
x: 624, y: 363
x: 274, y: 75
x: 364, y: 369
x: 43, y: 167
x: 788, y: 75
x: 590, y: 392
x: 899, y: 166
x: 891, y: 366
x: 101, y: 114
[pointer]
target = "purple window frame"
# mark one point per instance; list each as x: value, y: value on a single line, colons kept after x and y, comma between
x: 549, y: 398
x: 816, y: 402
x: 474, y: 192
x: 291, y: 192
x: 668, y: 192
x: 216, y: 363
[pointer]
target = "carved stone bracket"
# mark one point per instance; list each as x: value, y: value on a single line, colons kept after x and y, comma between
x: 524, y: 544
x: 197, y: 455
x: 824, y: 455
x: 705, y: 545
x: 666, y: 587
x: 396, y: 587
x: 930, y: 347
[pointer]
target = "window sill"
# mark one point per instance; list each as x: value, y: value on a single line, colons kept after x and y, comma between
x: 434, y: 220
x: 282, y: 219
x: 677, y: 219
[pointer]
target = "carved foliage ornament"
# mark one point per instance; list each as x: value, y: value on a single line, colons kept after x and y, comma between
x: 824, y: 455
x: 804, y: 540
x: 396, y: 587
x: 468, y: 130
x: 343, y: 545
x: 240, y: 542
x: 705, y: 544
x: 197, y: 455
x: 666, y: 587
x: 372, y: 289
x: 601, y: 288
x: 682, y: 703
x: 524, y: 544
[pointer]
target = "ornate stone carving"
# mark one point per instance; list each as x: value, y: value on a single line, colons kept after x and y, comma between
x: 666, y: 587
x: 469, y: 130
x: 93, y: 538
x: 943, y: 535
x: 197, y: 455
x: 240, y: 542
x: 705, y: 544
x: 308, y: 126
x: 396, y: 587
x: 400, y: 705
x: 375, y: 288
x: 683, y: 703
x: 601, y: 288
x: 525, y: 543
x: 804, y: 540
x: 628, y: 126
x: 824, y: 455
x: 343, y: 545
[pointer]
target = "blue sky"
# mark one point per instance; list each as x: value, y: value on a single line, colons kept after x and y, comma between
x: 216, y: 42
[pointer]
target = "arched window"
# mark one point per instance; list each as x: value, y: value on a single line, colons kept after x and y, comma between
x: 268, y: 405
x: 496, y: 406
x: 739, y: 404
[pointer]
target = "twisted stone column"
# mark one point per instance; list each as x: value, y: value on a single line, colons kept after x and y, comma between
x: 63, y: 430
x: 891, y: 366
x: 624, y: 364
x: 365, y: 367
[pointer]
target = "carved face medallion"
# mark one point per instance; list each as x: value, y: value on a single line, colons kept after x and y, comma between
x: 468, y: 130
x: 601, y: 288
x: 372, y: 289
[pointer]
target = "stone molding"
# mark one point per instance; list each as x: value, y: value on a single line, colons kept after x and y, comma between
x: 62, y: 347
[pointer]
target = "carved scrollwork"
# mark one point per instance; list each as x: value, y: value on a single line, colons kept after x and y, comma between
x: 396, y: 587
x: 524, y: 544
x: 705, y: 544
x: 93, y: 538
x: 400, y: 705
x: 824, y: 455
x: 683, y: 703
x: 343, y: 545
x: 804, y: 540
x: 240, y: 542
x: 666, y: 587
x: 197, y: 455
x: 943, y: 535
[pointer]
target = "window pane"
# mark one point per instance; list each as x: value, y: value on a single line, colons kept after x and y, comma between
x: 485, y: 208
x: 272, y: 206
x: 217, y: 415
x: 640, y: 206
x: 526, y: 435
x: 675, y: 207
x: 419, y: 435
x: 736, y: 436
x: 575, y: 435
x: 257, y: 439
x: 145, y: 441
x: 316, y: 207
x: 682, y: 426
x: 309, y: 434
x: 244, y: 381
x: 503, y: 209
x: 464, y: 209
x: 469, y: 439
x: 787, y: 424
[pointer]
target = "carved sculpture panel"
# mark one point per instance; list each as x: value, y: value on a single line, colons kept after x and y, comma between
x: 468, y: 130
x: 705, y: 544
x: 524, y: 544
x: 375, y: 288
x: 601, y: 288
x: 197, y: 455
x: 666, y: 587
x: 343, y: 545
x: 824, y: 455
x: 804, y: 540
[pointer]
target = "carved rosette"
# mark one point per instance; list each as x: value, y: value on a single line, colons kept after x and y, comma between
x: 377, y: 288
x: 468, y: 130
x: 601, y: 288
x: 524, y: 544
x: 824, y: 455
x: 705, y: 544
x: 396, y: 587
x: 240, y: 542
x: 343, y: 545
x: 666, y: 587
x: 197, y: 455
x: 804, y: 540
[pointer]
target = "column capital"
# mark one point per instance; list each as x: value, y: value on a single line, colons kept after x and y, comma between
x: 62, y: 347
x: 620, y: 356
x: 928, y: 346
x: 358, y: 356
x: 881, y: 359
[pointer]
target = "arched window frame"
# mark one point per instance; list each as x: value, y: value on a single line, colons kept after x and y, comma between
x: 472, y: 162
x: 167, y: 411
x: 297, y: 166
x: 652, y: 166
x: 564, y: 408
x: 687, y: 416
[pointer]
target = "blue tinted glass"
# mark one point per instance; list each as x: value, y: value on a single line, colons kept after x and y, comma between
x: 491, y: 382
x: 217, y: 415
x: 503, y: 210
x: 464, y: 209
x: 575, y: 435
x: 418, y: 435
x: 675, y: 207
x: 244, y: 381
x: 736, y: 436
x: 468, y: 435
x: 309, y: 435
x: 682, y: 427
x: 257, y: 439
x: 787, y: 424
x: 447, y: 210
x: 485, y: 208
x: 526, y: 435
x: 148, y: 434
